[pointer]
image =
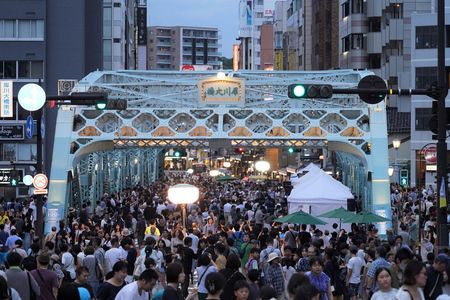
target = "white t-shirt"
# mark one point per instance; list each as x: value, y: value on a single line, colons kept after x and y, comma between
x: 130, y: 291
x: 112, y: 256
x: 404, y: 295
x: 355, y: 263
x: 385, y: 296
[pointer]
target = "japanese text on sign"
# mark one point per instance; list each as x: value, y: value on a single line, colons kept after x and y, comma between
x: 6, y: 99
x: 222, y: 91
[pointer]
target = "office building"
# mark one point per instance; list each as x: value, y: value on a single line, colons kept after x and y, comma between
x: 310, y: 35
x: 172, y: 48
x: 43, y: 41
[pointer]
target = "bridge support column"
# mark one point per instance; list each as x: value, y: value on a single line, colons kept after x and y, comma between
x: 378, y: 164
x: 61, y: 164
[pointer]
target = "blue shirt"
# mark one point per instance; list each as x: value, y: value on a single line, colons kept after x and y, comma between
x: 377, y: 263
x: 11, y: 241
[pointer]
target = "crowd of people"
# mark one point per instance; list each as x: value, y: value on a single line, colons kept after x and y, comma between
x: 135, y: 245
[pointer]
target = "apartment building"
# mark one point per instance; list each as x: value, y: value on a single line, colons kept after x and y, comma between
x: 310, y: 35
x: 172, y: 48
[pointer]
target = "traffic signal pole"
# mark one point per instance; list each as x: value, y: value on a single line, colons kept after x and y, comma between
x: 442, y: 180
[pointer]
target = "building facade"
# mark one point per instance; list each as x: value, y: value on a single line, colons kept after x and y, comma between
x: 40, y: 42
x: 309, y: 34
x: 256, y: 34
x: 423, y: 73
x: 171, y: 48
x: 119, y: 34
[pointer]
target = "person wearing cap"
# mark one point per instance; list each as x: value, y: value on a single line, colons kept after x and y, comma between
x: 435, y: 280
x: 273, y: 274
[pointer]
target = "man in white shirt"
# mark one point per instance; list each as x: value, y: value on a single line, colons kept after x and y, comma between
x: 113, y: 255
x: 353, y: 279
x: 141, y: 289
x: 227, y: 212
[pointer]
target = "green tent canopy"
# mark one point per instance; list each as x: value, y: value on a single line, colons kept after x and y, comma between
x: 300, y: 217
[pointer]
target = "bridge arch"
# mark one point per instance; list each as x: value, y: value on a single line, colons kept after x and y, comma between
x: 197, y: 109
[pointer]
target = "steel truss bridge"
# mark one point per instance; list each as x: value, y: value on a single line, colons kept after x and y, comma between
x: 97, y: 152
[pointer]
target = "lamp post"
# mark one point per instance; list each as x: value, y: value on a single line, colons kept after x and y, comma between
x: 32, y: 98
x: 183, y: 194
x: 396, y: 144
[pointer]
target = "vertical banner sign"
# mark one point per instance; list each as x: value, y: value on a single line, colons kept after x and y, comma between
x: 6, y: 99
x: 142, y: 25
x: 235, y: 57
x: 249, y: 12
x: 442, y: 195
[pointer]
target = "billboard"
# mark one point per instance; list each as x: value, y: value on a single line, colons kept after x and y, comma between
x: 245, y: 18
x: 269, y: 8
x: 227, y: 91
x: 142, y: 25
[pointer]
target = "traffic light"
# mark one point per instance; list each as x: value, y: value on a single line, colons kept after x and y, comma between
x: 293, y: 150
x: 323, y: 91
x: 404, y: 181
x: 179, y: 153
x: 14, y: 177
x: 239, y: 150
x: 111, y: 104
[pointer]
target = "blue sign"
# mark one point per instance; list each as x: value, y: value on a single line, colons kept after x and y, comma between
x: 42, y: 127
x: 29, y: 128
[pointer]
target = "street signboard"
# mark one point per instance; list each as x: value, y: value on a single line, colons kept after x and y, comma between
x: 42, y: 126
x: 6, y: 99
x: 5, y: 175
x: 29, y: 127
x: 12, y: 132
x: 40, y: 181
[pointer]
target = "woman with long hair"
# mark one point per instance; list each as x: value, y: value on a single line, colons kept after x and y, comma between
x: 205, y: 267
x: 214, y: 284
x: 415, y: 278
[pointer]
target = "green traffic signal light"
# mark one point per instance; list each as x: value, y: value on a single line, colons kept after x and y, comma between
x: 177, y: 154
x: 299, y: 91
x: 291, y: 150
x: 100, y: 104
x: 13, y: 182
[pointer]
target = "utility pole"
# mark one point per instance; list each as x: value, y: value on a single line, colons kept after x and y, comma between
x: 442, y: 230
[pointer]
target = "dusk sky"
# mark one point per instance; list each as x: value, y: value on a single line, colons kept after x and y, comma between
x: 222, y: 14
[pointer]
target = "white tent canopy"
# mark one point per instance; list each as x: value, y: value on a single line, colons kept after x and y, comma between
x: 317, y: 192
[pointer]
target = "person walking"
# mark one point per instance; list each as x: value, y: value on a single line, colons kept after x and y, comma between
x: 415, y: 278
x: 20, y: 280
x: 46, y: 279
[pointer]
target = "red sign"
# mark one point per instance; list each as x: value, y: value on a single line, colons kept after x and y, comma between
x: 188, y: 68
x: 429, y: 153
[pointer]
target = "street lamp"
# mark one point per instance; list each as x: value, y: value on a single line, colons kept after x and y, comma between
x: 396, y: 144
x: 32, y: 98
x: 390, y: 171
x: 214, y: 173
x: 262, y: 166
x: 226, y: 164
x: 183, y: 194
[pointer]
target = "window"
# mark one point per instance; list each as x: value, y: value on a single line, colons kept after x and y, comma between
x: 26, y: 152
x: 116, y: 40
x: 374, y: 61
x: 357, y: 7
x: 426, y: 37
x: 24, y: 69
x: 10, y: 69
x: 425, y: 76
x: 107, y: 22
x: 374, y: 24
x: 116, y: 4
x: 7, y: 152
x: 357, y: 41
x: 423, y: 116
x: 345, y: 43
x: 22, y: 29
x: 345, y: 8
x: 21, y: 69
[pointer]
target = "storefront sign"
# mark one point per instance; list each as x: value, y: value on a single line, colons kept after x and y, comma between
x: 11, y: 132
x: 222, y: 91
x: 430, y: 155
x: 6, y: 99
